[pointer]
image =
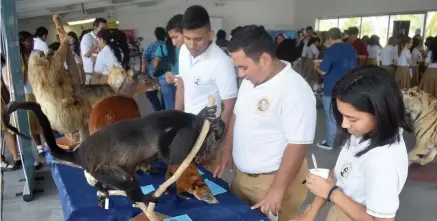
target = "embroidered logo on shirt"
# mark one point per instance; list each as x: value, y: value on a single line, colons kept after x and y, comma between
x: 263, y: 105
x: 345, y: 171
x: 197, y: 81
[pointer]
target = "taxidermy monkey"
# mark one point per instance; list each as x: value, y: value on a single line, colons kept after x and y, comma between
x: 66, y: 103
x: 110, y: 156
x: 54, y: 88
x: 191, y: 182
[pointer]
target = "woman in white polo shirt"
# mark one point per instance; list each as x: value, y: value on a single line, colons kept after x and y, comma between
x: 372, y: 167
x: 109, y: 56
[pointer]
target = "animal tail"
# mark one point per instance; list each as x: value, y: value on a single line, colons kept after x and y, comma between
x: 45, y: 125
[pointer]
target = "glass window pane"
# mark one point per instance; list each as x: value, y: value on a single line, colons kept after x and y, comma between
x: 431, y: 24
x: 326, y: 24
x: 376, y: 25
x: 345, y: 23
x: 416, y: 22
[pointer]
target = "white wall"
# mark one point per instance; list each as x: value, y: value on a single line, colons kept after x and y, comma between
x: 308, y: 10
x: 273, y: 14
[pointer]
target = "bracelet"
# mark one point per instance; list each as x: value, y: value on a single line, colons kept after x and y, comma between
x: 330, y: 193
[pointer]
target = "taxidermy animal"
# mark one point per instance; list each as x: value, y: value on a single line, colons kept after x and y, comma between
x: 120, y: 82
x: 107, y: 111
x: 191, y: 182
x: 110, y: 156
x: 54, y: 87
x: 421, y: 108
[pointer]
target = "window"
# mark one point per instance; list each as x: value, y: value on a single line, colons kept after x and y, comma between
x: 376, y: 25
x: 345, y: 23
x: 326, y: 24
x: 416, y: 22
x: 431, y: 24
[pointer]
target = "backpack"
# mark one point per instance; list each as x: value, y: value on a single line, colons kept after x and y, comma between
x: 163, y: 66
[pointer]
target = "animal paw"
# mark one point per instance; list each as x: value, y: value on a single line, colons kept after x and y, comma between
x: 208, y: 112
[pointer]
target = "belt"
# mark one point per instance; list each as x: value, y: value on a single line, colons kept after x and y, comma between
x: 260, y: 174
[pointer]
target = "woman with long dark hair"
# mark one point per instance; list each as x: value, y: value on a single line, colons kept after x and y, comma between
x: 110, y: 55
x: 26, y: 46
x: 416, y: 60
x: 121, y: 40
x: 429, y: 80
x: 403, y: 73
x: 372, y: 167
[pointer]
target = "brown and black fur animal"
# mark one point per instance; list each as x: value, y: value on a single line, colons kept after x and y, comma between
x: 111, y: 155
x: 421, y: 108
x: 191, y: 182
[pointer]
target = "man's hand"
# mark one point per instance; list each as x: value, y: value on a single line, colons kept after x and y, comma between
x: 271, y: 201
x: 225, y: 162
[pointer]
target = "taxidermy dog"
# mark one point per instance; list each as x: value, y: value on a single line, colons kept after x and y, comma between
x: 191, y: 182
x: 421, y: 108
x: 110, y: 156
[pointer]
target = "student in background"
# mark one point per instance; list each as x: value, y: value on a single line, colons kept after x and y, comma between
x: 359, y: 45
x: 89, y: 48
x: 312, y: 53
x: 416, y: 61
x: 388, y: 56
x: 338, y: 60
x: 221, y: 41
x: 373, y: 48
x: 174, y: 30
x: 403, y: 73
x: 147, y: 66
x: 39, y: 40
x: 429, y: 80
x: 109, y: 56
x: 372, y: 167
x: 168, y: 52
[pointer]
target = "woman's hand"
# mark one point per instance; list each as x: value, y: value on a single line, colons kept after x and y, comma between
x: 319, y: 186
x: 303, y: 217
x: 170, y: 77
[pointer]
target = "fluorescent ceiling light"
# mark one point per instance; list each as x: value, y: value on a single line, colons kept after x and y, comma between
x: 117, y: 22
x: 81, y: 21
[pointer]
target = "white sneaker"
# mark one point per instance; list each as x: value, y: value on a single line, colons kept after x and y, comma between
x: 324, y: 145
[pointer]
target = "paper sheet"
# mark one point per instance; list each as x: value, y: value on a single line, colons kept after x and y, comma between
x: 179, y: 218
x: 215, y: 189
x: 147, y: 189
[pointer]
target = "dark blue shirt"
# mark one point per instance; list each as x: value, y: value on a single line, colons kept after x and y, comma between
x: 149, y: 54
x: 338, y: 60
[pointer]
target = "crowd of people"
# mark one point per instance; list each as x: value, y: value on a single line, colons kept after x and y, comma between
x: 270, y: 119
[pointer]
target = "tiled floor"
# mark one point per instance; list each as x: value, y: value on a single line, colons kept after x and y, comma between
x: 418, y: 201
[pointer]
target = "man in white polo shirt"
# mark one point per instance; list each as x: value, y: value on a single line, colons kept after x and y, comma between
x: 204, y: 69
x: 273, y: 124
x: 89, y: 48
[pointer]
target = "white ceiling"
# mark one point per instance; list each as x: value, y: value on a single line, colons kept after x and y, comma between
x: 42, y: 10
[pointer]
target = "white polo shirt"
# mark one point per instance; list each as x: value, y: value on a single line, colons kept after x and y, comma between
x: 88, y: 41
x: 270, y: 116
x: 105, y: 59
x: 41, y: 45
x: 375, y: 179
x: 212, y: 72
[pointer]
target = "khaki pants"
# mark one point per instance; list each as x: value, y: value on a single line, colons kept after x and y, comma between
x: 90, y: 79
x: 336, y: 214
x: 252, y: 189
x: 212, y: 164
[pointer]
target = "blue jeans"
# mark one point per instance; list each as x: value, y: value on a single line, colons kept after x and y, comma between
x: 168, y: 93
x: 331, y: 125
x: 154, y: 100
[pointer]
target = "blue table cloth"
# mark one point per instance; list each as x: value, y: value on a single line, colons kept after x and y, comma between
x: 79, y: 199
